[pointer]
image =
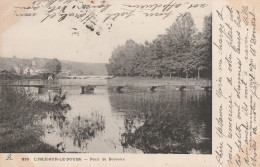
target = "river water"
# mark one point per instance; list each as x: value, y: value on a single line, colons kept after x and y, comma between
x: 134, y: 120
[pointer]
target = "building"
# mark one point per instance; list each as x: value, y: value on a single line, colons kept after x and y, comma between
x: 17, y: 69
x: 27, y: 71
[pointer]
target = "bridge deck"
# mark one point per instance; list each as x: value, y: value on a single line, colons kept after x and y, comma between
x: 115, y: 85
x: 56, y: 85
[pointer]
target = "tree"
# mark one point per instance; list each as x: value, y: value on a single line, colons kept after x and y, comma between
x: 203, y: 48
x: 179, y: 40
x: 182, y: 51
x: 53, y: 65
x: 12, y: 70
x: 207, y: 43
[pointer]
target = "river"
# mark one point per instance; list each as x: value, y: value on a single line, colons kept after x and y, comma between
x: 134, y: 120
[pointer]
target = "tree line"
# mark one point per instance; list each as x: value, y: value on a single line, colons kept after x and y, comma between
x: 181, y: 52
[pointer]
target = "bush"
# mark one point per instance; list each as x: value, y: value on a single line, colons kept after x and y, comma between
x: 20, y: 111
x: 163, y: 130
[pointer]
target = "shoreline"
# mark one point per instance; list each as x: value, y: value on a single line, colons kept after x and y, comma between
x: 176, y: 83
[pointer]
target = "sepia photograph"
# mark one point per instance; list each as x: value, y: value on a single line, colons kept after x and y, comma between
x: 131, y: 77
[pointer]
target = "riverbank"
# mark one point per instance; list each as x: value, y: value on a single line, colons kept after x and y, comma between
x: 19, y: 132
x: 148, y: 81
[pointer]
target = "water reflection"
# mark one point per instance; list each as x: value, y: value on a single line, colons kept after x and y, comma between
x: 166, y: 121
x: 83, y: 129
x: 132, y: 121
x: 80, y: 129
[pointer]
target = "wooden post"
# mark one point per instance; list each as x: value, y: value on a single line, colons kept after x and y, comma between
x: 49, y: 93
x: 82, y: 89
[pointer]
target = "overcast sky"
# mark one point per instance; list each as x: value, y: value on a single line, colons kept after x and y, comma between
x: 30, y: 38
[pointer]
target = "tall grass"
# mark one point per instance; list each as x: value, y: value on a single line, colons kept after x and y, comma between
x: 80, y: 129
x: 19, y: 109
x: 163, y: 130
x: 83, y: 129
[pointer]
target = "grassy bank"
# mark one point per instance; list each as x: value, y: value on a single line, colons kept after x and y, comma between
x: 19, y: 110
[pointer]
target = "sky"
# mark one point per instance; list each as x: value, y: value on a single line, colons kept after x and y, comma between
x: 30, y: 38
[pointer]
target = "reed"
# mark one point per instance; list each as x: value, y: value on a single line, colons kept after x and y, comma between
x: 163, y: 130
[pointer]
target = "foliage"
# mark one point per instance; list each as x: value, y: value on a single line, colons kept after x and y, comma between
x: 20, y: 110
x: 12, y: 70
x: 182, y: 52
x: 53, y: 65
x: 13, y: 76
x: 73, y: 67
x: 81, y: 129
x: 19, y: 106
x: 163, y: 130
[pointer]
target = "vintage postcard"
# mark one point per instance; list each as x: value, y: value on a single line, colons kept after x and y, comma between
x: 129, y: 83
